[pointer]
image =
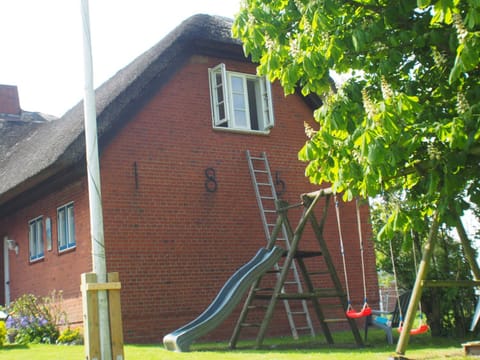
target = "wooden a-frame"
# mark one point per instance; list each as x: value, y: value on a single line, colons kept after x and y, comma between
x: 421, y: 282
x: 311, y: 294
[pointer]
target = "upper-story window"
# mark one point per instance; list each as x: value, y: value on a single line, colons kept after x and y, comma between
x: 240, y: 101
x: 66, y: 227
x: 35, y: 238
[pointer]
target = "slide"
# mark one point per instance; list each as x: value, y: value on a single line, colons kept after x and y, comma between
x: 224, y: 303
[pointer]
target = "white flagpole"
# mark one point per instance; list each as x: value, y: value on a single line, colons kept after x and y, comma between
x: 94, y: 188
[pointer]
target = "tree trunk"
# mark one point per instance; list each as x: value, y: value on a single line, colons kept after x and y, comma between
x: 433, y: 311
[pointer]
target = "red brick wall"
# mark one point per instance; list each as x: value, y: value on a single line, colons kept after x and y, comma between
x: 57, y: 271
x: 173, y: 243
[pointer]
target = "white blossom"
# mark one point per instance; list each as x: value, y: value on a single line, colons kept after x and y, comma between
x: 294, y: 47
x: 439, y: 58
x: 462, y: 103
x: 298, y: 4
x: 462, y: 31
x: 368, y: 104
x: 269, y: 43
x: 309, y: 130
x: 387, y: 91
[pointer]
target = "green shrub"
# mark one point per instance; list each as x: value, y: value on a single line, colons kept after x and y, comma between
x: 36, y: 320
x: 70, y: 336
x: 3, y: 332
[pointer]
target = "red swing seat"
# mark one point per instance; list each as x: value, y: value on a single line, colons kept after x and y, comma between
x: 352, y: 314
x: 423, y: 328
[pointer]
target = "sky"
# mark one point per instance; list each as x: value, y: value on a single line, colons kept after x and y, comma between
x: 41, y: 42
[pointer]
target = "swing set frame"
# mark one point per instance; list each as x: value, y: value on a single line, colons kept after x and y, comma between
x: 420, y: 280
x: 423, y: 327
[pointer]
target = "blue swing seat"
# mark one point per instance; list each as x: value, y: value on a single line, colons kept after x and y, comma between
x: 389, y: 320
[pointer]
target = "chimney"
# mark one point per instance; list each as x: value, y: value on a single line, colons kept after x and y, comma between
x: 9, y: 102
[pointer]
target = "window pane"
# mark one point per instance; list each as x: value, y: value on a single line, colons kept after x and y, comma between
x: 31, y: 240
x: 241, y: 118
x: 220, y: 94
x: 218, y: 79
x: 253, y: 93
x: 71, y: 226
x: 237, y: 84
x: 219, y: 98
x: 238, y: 101
x: 35, y: 238
x: 66, y: 227
x: 221, y: 111
x: 266, y: 92
x: 61, y: 228
x: 39, y: 234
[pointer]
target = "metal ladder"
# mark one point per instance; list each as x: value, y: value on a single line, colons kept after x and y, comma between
x: 266, y: 195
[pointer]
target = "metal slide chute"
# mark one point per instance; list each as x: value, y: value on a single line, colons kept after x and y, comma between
x: 226, y: 300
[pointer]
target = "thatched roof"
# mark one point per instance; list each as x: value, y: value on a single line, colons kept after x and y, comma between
x: 32, y: 152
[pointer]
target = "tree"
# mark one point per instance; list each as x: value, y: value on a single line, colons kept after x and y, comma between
x: 406, y: 121
x: 407, y: 117
x: 452, y: 315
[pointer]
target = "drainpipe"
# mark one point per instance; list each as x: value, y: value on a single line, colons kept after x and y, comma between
x: 6, y: 271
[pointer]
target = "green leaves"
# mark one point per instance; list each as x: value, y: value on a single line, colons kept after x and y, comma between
x: 405, y: 120
x: 468, y: 57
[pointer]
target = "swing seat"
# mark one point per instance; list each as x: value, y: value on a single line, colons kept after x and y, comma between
x: 389, y: 320
x: 352, y: 314
x: 423, y: 328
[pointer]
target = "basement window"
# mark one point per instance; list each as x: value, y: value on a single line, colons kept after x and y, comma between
x: 66, y: 227
x: 35, y: 238
x: 241, y: 102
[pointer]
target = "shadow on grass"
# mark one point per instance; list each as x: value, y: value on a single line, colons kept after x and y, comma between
x: 7, y: 347
x: 344, y: 342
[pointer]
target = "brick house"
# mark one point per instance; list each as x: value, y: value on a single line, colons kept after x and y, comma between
x: 180, y: 213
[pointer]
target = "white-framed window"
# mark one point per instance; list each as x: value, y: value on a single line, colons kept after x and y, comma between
x: 240, y: 101
x: 66, y: 227
x: 35, y: 238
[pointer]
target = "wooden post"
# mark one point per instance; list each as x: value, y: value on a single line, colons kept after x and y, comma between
x: 417, y: 288
x: 90, y: 318
x: 451, y: 283
x: 468, y: 251
x: 116, y: 328
x: 90, y: 288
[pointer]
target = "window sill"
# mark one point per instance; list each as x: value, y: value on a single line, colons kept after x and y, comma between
x: 66, y: 251
x: 243, y: 131
x: 35, y: 261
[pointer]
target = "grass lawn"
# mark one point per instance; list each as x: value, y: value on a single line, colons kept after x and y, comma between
x: 422, y: 347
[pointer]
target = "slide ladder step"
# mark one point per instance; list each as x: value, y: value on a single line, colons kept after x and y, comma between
x: 263, y: 289
x: 303, y: 328
x: 245, y: 325
x: 335, y: 320
x: 313, y: 273
x: 251, y: 307
x: 297, y: 312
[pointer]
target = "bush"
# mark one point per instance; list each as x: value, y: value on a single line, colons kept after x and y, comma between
x: 3, y: 332
x: 36, y: 320
x: 70, y: 337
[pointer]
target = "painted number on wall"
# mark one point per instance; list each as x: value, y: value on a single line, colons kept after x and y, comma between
x: 211, y: 184
x: 280, y: 186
